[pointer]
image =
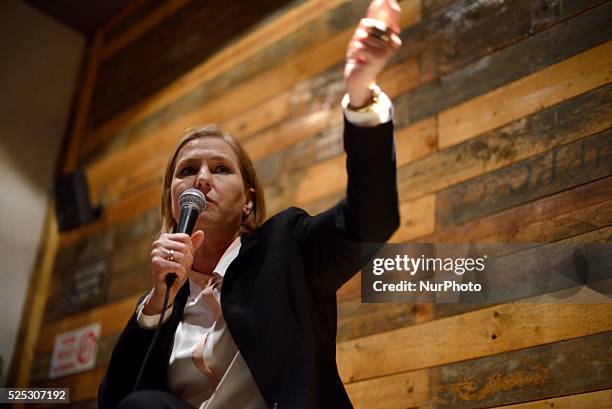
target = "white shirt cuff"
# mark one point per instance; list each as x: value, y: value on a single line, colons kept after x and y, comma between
x: 381, y: 112
x: 150, y: 321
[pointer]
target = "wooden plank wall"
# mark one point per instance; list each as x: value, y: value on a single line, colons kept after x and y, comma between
x: 503, y: 117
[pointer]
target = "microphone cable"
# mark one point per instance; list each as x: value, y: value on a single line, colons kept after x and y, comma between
x: 169, y: 281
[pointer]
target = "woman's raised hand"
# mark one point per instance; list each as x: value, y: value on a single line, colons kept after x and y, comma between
x: 375, y: 41
x: 171, y: 253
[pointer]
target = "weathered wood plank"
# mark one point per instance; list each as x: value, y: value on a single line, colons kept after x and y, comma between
x: 400, y: 77
x: 411, y: 390
x: 82, y: 386
x: 566, y: 122
x: 578, y: 220
x: 567, y: 367
x: 483, y: 332
x: 591, y: 400
x: 530, y: 94
x: 562, y: 168
x: 124, y: 247
x: 399, y: 391
x: 130, y: 270
x: 492, y: 70
x: 144, y: 25
x: 417, y: 218
x: 131, y: 206
x: 113, y: 317
x: 267, y: 113
x: 603, y: 235
x: 186, y: 36
x: 535, y: 221
x: 127, y: 17
x: 357, y: 320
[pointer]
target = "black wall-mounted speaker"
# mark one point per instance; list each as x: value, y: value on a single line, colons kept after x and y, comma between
x: 72, y: 205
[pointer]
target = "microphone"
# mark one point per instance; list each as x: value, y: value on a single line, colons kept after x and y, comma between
x: 192, y: 203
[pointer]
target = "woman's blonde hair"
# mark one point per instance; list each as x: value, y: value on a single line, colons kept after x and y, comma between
x: 249, y: 178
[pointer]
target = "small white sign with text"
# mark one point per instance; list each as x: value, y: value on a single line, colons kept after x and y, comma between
x: 75, y: 351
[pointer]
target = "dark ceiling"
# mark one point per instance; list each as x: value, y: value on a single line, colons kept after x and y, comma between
x: 84, y: 16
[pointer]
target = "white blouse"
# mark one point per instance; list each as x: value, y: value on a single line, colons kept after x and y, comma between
x: 206, y: 368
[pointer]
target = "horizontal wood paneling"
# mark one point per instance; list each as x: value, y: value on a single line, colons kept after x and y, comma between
x: 558, y: 125
x: 531, y: 222
x: 501, y: 378
x: 593, y: 400
x: 180, y: 39
x: 562, y: 368
x: 562, y: 168
x: 418, y: 218
x: 467, y: 336
x: 399, y: 391
x: 113, y: 318
x: 128, y: 17
x: 83, y: 386
x: 523, y: 97
x: 496, y: 60
x: 157, y: 12
x: 575, y: 366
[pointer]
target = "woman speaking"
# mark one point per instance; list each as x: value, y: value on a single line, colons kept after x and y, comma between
x: 251, y: 322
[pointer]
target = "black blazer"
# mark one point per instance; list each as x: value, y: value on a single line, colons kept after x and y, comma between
x: 279, y: 294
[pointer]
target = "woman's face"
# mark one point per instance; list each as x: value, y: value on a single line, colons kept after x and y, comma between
x: 210, y: 165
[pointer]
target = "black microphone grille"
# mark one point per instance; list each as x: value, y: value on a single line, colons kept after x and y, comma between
x: 193, y: 197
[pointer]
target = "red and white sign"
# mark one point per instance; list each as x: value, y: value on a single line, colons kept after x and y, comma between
x: 75, y: 351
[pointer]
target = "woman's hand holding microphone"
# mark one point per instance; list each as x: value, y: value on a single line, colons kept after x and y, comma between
x: 171, y: 253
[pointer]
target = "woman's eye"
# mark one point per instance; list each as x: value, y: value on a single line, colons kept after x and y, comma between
x: 187, y: 170
x: 222, y: 169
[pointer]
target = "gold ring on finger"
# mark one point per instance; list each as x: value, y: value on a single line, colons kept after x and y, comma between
x: 381, y: 35
x: 170, y: 255
x: 377, y: 28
